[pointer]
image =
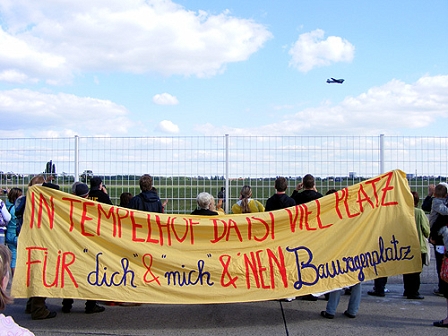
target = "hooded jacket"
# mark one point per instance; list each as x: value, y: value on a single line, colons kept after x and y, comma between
x: 146, y: 201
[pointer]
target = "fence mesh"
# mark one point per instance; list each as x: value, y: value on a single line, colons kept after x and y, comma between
x: 185, y: 166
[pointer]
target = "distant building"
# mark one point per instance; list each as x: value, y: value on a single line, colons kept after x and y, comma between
x: 352, y: 175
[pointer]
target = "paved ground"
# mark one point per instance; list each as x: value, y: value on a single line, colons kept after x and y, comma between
x: 392, y: 315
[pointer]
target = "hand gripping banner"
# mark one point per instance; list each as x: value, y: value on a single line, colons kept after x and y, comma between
x: 71, y: 247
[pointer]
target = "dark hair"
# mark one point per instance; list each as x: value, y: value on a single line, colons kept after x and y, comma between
x: 95, y: 182
x: 308, y: 181
x: 416, y: 197
x: 281, y: 184
x: 14, y: 194
x: 331, y: 191
x: 125, y: 198
x: 145, y: 182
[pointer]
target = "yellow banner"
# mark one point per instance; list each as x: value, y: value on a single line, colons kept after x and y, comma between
x: 76, y: 248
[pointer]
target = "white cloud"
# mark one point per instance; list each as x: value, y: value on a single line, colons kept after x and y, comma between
x: 311, y: 51
x: 384, y: 109
x: 54, y: 40
x: 24, y: 62
x: 35, y: 113
x: 13, y: 76
x: 165, y: 99
x: 166, y: 126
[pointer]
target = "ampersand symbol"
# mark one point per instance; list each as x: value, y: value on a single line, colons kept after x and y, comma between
x: 149, y: 276
x: 225, y: 262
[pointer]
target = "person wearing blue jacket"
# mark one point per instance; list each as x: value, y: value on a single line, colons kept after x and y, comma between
x: 11, y: 230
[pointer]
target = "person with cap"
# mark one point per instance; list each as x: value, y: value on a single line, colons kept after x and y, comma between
x: 82, y: 190
x: 98, y: 191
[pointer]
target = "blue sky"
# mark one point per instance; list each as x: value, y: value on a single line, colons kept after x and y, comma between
x: 165, y: 68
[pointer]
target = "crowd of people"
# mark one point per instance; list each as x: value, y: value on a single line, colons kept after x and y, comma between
x: 432, y: 226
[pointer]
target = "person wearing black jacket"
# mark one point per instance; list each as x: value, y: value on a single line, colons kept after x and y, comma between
x: 309, y: 192
x: 279, y: 200
x: 427, y: 202
x: 98, y: 191
x: 443, y: 286
x: 147, y: 200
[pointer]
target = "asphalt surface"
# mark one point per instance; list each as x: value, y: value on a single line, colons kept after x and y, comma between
x: 391, y: 315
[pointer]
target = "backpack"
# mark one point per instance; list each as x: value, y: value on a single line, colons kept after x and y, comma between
x: 20, y: 209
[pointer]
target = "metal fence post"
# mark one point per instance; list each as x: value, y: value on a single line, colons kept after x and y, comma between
x: 227, y: 174
x: 381, y: 153
x: 76, y: 158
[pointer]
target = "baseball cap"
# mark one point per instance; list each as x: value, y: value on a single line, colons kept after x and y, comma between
x: 95, y: 182
x: 81, y: 190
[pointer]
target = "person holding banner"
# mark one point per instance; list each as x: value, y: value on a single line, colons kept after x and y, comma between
x: 7, y: 324
x: 82, y: 190
x: 411, y: 281
x: 246, y: 204
x: 308, y: 194
x: 36, y: 305
x: 353, y: 303
x: 280, y: 201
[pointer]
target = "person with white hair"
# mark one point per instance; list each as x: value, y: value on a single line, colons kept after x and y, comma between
x: 206, y: 205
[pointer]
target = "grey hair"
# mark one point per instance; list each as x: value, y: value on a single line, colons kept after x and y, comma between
x: 74, y: 187
x: 204, y: 200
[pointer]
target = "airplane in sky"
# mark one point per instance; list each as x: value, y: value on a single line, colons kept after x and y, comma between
x: 334, y: 80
